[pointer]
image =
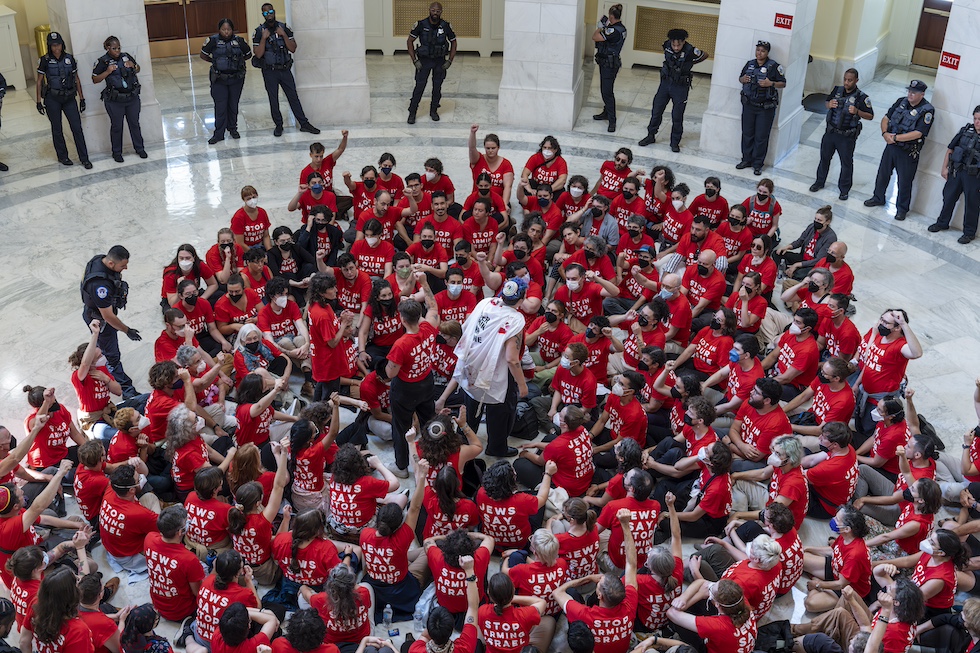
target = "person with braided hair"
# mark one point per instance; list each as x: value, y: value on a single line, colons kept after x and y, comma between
x: 344, y: 605
x: 304, y: 554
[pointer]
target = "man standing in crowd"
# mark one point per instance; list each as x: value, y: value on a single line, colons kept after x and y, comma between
x: 961, y: 170
x: 675, y: 83
x: 904, y: 129
x: 103, y: 294
x: 760, y: 78
x: 609, y: 38
x: 273, y: 46
x: 847, y: 106
x: 489, y: 351
x: 436, y: 40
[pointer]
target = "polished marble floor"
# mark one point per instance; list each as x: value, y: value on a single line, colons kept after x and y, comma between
x: 55, y: 218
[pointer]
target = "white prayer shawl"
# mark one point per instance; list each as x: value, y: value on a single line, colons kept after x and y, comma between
x: 481, y: 370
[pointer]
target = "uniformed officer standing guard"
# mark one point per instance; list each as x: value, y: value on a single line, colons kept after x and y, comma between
x: 227, y: 54
x: 675, y: 84
x: 104, y: 293
x: 961, y: 170
x: 274, y: 47
x: 848, y: 106
x: 609, y: 38
x: 904, y: 129
x: 437, y: 40
x: 55, y: 91
x: 760, y: 78
x: 121, y: 95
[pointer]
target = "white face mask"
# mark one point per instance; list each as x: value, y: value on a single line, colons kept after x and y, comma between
x: 795, y: 329
x: 574, y: 286
x: 429, y: 175
x: 926, y: 547
x: 185, y: 265
x: 566, y: 362
x: 576, y: 192
x: 678, y: 204
x: 101, y: 361
x: 455, y: 289
x: 774, y: 460
x: 547, y: 153
x: 703, y: 454
x: 143, y: 423
x: 282, y: 301
x: 876, y: 415
x: 757, y: 260
x: 372, y: 240
x: 180, y: 332
x: 200, y: 367
x: 252, y: 203
x: 200, y: 424
x: 618, y: 389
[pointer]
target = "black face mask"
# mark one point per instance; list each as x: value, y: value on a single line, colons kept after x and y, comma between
x: 688, y: 420
x: 710, y: 192
x: 427, y: 244
x: 253, y: 346
x: 817, y: 226
x: 823, y: 377
x: 627, y: 195
x: 550, y: 317
x: 643, y: 367
x: 520, y: 254
x: 736, y: 223
x: 596, y: 211
x: 321, y: 226
x: 812, y: 286
x: 642, y: 263
x: 544, y: 202
x: 715, y: 324
x: 675, y: 393
x: 634, y: 233
x: 762, y: 198
x: 883, y: 331
x: 591, y: 255
x: 235, y: 298
x: 461, y: 261
x: 590, y: 333
x: 286, y: 247
x: 441, y: 339
x: 642, y: 320
x: 191, y: 301
x: 831, y: 258
x: 369, y: 183
x: 483, y: 191
x: 388, y: 303
x: 703, y: 270
x: 907, y: 495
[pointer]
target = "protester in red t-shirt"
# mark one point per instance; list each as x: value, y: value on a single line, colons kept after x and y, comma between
x: 444, y: 553
x: 218, y: 591
x: 91, y: 482
x: 757, y: 423
x: 105, y: 630
x: 207, y: 515
x: 124, y: 523
x: 709, y: 349
x: 51, y: 442
x: 508, y: 623
x: 93, y: 382
x: 304, y: 635
x: 355, y: 493
x: 234, y: 626
x: 663, y: 584
x: 313, y: 556
x: 611, y: 621
x: 441, y: 621
x: 187, y: 265
x: 571, y: 452
x: 250, y: 522
x: 796, y: 356
x: 846, y: 562
x: 733, y: 630
x: 250, y: 224
x: 505, y: 512
x: 539, y: 574
x: 225, y: 256
x: 326, y: 336
x: 60, y: 631
x: 175, y: 572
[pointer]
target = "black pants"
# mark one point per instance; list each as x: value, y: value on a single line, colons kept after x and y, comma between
x: 208, y: 344
x: 409, y: 399
x: 676, y: 94
x: 109, y: 344
x: 844, y: 147
x: 756, y: 127
x: 323, y: 389
x: 896, y: 158
x: 959, y: 183
x: 226, y: 93
x: 500, y: 418
x: 130, y: 110
x: 69, y: 108
x: 429, y: 65
x: 607, y: 80
x: 274, y: 79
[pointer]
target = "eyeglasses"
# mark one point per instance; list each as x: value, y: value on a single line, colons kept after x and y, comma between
x: 622, y: 161
x: 758, y: 248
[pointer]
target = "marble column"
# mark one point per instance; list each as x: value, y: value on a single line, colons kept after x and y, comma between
x: 742, y: 23
x: 955, y: 94
x: 85, y: 25
x: 542, y: 81
x: 330, y: 67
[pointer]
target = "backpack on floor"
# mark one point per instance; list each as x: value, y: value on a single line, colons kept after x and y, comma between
x: 526, y: 424
x: 775, y: 637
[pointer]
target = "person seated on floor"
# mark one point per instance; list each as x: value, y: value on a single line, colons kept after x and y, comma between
x: 571, y: 451
x: 281, y: 322
x: 125, y: 521
x: 758, y: 422
x: 846, y: 562
x: 441, y: 622
x: 445, y: 554
x: 780, y: 481
x: 796, y: 356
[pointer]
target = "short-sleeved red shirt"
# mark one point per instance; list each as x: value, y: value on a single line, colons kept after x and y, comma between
x: 575, y: 389
x: 327, y: 361
x: 644, y: 516
x: 508, y: 632
x: 465, y: 516
x: 372, y: 260
x: 89, y: 486
x: 450, y: 582
x: 172, y: 568
x: 251, y: 644
x: 612, y: 627
x: 654, y: 600
x: 550, y: 344
x: 352, y: 630
x: 801, y: 355
x: 93, y: 395
x: 583, y: 304
x: 413, y: 352
x: 251, y: 230
x: 207, y: 520
x: 830, y: 406
x: 315, y: 560
x: 886, y: 440
x: 580, y: 551
x: 792, y: 485
x: 721, y: 636
x: 760, y: 430
x: 386, y: 558
x: 51, y: 444
x: 124, y: 525
x: 75, y: 637
x: 101, y: 627
x: 834, y: 479
x: 356, y: 504
x: 537, y: 579
x: 212, y: 603
x: 225, y: 311
x: 572, y: 452
x: 507, y: 521
x: 187, y: 460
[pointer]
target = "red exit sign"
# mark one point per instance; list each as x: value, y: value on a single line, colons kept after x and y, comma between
x: 950, y: 60
x: 784, y: 20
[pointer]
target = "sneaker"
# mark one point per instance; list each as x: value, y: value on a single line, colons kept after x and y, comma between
x: 647, y: 140
x: 185, y: 632
x: 308, y: 128
x: 397, y: 471
x: 815, y: 187
x: 936, y: 227
x: 277, y: 132
x: 742, y: 165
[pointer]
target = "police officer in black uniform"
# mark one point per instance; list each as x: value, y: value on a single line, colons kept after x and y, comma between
x: 437, y: 40
x: 961, y: 170
x: 675, y: 83
x: 104, y: 293
x: 760, y: 78
x: 274, y: 47
x: 227, y: 54
x: 904, y: 129
x: 55, y: 91
x: 609, y: 38
x: 121, y: 95
x: 847, y: 106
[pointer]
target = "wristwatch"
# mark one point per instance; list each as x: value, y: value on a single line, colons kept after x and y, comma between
x: 471, y: 579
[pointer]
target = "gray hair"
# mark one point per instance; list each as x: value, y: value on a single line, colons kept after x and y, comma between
x: 598, y: 243
x: 180, y: 429
x: 544, y: 544
x: 637, y: 220
x: 792, y: 448
x: 243, y: 333
x: 185, y: 354
x: 764, y: 551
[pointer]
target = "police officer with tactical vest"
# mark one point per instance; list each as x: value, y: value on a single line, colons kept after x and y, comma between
x: 675, y: 83
x: 227, y: 54
x: 904, y: 129
x: 274, y: 46
x: 760, y: 78
x: 437, y: 40
x: 121, y: 95
x: 847, y: 106
x: 609, y: 38
x: 104, y: 294
x: 55, y: 91
x: 961, y: 170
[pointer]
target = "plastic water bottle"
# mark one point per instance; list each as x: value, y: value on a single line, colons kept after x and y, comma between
x: 781, y: 273
x: 386, y: 620
x: 419, y: 624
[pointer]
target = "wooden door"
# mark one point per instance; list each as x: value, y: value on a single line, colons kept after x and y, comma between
x: 932, y: 32
x: 203, y: 16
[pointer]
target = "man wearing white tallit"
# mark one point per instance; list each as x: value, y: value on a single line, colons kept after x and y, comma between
x: 489, y: 368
